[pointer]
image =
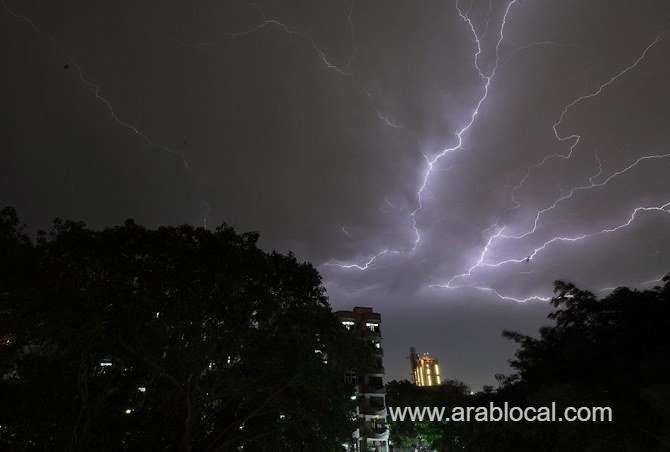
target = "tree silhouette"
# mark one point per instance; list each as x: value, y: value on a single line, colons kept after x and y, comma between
x: 608, y: 352
x: 611, y: 351
x: 170, y: 339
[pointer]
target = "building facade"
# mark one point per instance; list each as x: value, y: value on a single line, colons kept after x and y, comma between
x: 425, y: 369
x: 372, y: 433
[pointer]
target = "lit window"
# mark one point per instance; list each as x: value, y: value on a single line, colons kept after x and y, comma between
x: 142, y: 389
x: 348, y: 324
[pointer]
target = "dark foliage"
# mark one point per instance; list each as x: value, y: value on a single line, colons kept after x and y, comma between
x: 610, y: 352
x: 171, y: 339
x: 422, y: 435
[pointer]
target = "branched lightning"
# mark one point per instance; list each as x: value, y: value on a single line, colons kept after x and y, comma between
x: 592, y: 184
x: 96, y: 89
x: 661, y: 208
x: 487, y: 79
x: 575, y: 138
x: 431, y: 161
x: 479, y: 263
x: 494, y: 233
x: 267, y: 22
x: 344, y: 70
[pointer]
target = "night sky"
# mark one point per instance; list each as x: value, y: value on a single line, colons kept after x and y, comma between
x: 441, y: 162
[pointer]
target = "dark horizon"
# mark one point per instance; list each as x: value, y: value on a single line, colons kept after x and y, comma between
x: 345, y: 132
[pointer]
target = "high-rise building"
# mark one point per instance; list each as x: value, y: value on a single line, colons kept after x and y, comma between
x: 372, y: 433
x: 425, y: 369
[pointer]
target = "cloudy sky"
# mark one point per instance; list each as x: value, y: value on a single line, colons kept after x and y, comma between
x: 442, y: 162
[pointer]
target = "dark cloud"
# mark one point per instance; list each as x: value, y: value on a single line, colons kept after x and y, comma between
x: 311, y: 122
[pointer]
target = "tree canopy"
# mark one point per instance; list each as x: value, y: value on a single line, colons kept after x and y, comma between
x: 177, y: 338
x: 605, y: 352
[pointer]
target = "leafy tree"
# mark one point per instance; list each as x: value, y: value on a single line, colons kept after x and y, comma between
x: 609, y: 352
x: 422, y: 435
x: 171, y: 339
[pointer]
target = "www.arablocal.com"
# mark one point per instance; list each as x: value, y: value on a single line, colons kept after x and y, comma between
x: 504, y: 413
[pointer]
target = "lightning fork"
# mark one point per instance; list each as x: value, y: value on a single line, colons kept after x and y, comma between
x: 96, y: 89
x: 576, y: 138
x: 487, y: 78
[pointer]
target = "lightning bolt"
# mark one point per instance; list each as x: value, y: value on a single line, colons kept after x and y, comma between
x: 509, y: 297
x: 643, y: 283
x: 366, y: 265
x: 592, y: 184
x: 574, y: 137
x: 487, y: 79
x: 267, y: 22
x: 343, y: 70
x: 96, y: 89
x: 662, y: 208
x: 479, y: 263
